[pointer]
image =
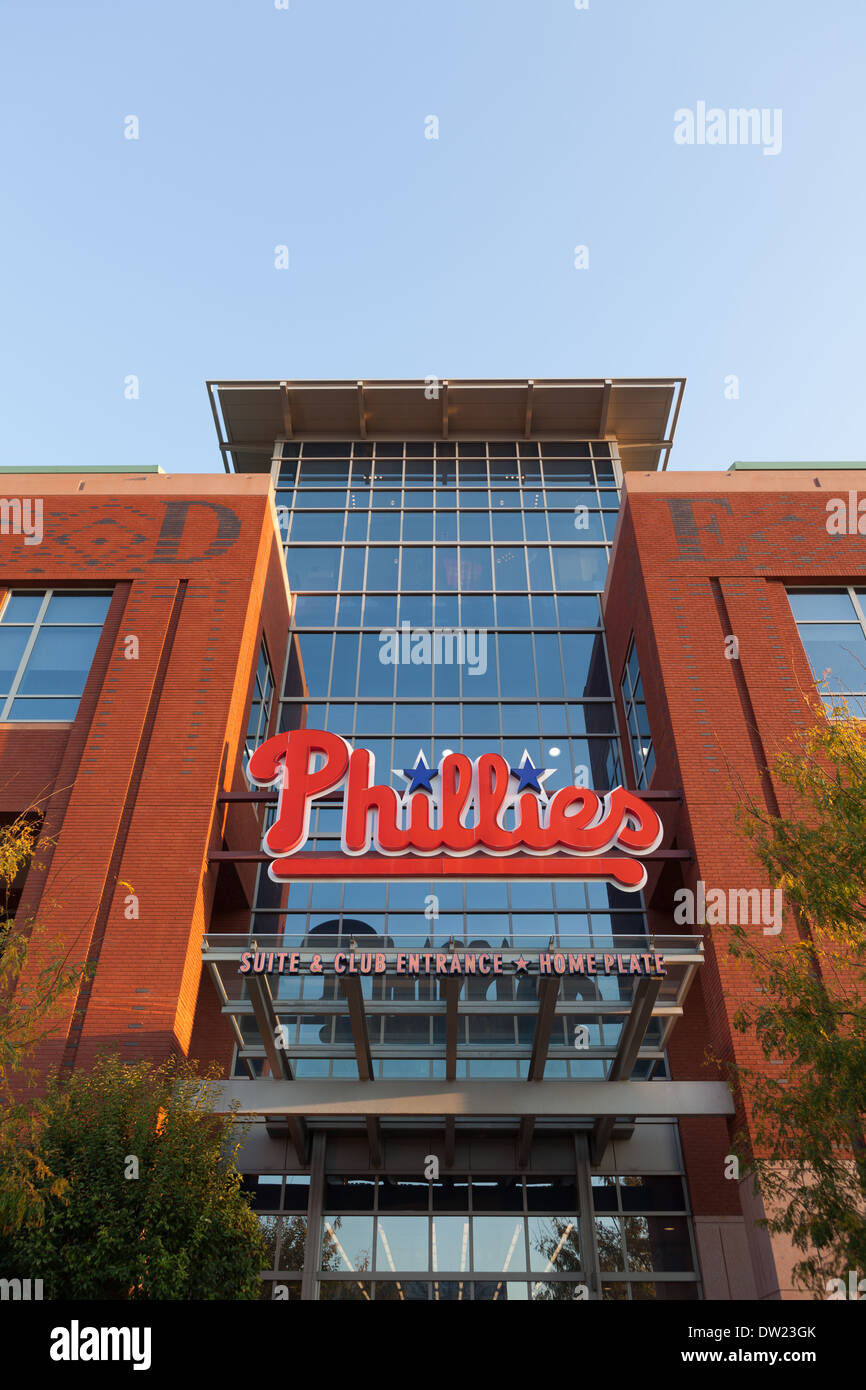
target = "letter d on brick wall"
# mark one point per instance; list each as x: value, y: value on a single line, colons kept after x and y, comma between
x: 168, y: 545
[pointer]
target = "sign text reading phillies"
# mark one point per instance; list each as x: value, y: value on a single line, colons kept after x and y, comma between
x: 458, y: 815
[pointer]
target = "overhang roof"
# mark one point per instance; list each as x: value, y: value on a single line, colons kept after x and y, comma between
x: 640, y: 413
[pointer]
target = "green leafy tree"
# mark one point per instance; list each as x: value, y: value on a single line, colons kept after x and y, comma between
x: 27, y: 999
x: 806, y: 1118
x: 151, y: 1206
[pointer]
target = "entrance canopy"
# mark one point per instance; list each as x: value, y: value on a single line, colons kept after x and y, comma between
x: 456, y: 1030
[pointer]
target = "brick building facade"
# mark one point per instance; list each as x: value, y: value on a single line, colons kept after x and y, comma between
x: 699, y: 559
x: 157, y: 877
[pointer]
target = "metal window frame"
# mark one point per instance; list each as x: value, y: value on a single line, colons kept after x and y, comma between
x: 640, y: 762
x: 859, y: 617
x: 35, y: 629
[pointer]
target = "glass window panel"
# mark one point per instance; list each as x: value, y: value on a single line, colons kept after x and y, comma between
x: 652, y: 1194
x: 608, y: 1239
x: 417, y: 526
x: 837, y: 648
x: 539, y: 568
x: 345, y: 664
x: 551, y: 1195
x: 373, y: 719
x: 505, y: 498
x: 446, y: 681
x: 447, y: 574
x: 821, y: 605
x: 477, y: 610
x: 12, y: 644
x: 498, y: 1243
x: 507, y: 526
x: 317, y: 526
x: 482, y: 720
x: 315, y: 650
x: 509, y: 567
x: 374, y: 677
x: 404, y: 1194
x: 554, y: 1244
x: 512, y: 610
x: 357, y: 524
x: 520, y: 719
x: 380, y: 610
x: 585, y: 667
x: 384, y: 526
x: 579, y: 567
x: 450, y: 1242
x: 382, y: 567
x: 269, y: 1226
x: 516, y: 664
x: 475, y: 569
x: 418, y: 568
x: 574, y: 526
x: 313, y: 567
x: 416, y: 609
x: 402, y: 1242
x: 658, y: 1242
x: 297, y: 1192
x: 576, y: 610
x: 549, y: 667
x: 446, y: 611
x: 414, y: 681
x: 310, y: 499
x: 561, y: 1291
x: 474, y: 499
x: 353, y: 567
x: 349, y: 1193
x: 446, y: 526
x: 447, y: 721
x: 22, y: 608
x: 315, y: 610
x: 497, y: 1194
x: 451, y: 1194
x: 535, y: 525
x: 293, y: 1235
x: 77, y: 608
x: 564, y: 472
x: 350, y: 610
x: 347, y: 1243
x: 474, y: 526
x: 60, y: 661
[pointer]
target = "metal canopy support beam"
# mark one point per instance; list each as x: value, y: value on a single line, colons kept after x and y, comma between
x: 451, y: 989
x: 527, y: 419
x: 548, y: 993
x: 633, y: 1034
x: 351, y: 987
x: 273, y: 1041
x: 341, y: 1099
x: 362, y: 411
x: 605, y: 407
x: 450, y: 1141
x: 286, y: 402
x: 444, y: 390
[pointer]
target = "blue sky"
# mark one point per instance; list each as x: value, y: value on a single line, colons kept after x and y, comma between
x: 409, y: 256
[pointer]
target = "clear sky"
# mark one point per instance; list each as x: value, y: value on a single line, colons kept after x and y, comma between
x: 305, y: 127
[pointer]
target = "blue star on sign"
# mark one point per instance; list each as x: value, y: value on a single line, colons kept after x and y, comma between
x: 530, y: 776
x: 419, y: 776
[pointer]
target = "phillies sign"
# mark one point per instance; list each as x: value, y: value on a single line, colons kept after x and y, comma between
x: 450, y: 820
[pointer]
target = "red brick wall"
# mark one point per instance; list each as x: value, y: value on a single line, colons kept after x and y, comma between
x: 698, y: 557
x: 197, y: 573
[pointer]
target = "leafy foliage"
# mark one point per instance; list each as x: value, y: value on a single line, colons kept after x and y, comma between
x: 152, y: 1206
x: 806, y: 1147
